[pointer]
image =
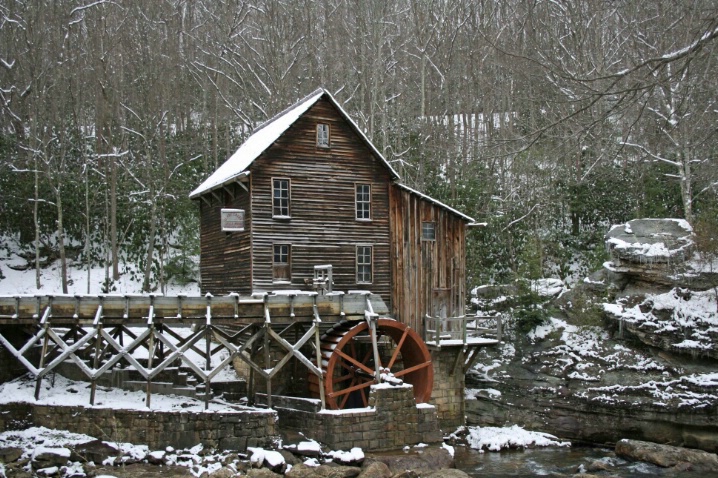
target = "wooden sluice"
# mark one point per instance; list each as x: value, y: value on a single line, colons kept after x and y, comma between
x: 98, y: 333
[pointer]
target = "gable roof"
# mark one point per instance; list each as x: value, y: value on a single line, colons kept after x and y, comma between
x: 265, y: 135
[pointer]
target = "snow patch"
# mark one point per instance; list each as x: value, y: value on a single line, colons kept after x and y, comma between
x: 496, y: 439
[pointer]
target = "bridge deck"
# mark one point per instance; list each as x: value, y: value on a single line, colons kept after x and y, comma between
x: 179, y: 310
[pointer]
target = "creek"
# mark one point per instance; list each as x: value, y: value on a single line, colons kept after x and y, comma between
x: 557, y: 462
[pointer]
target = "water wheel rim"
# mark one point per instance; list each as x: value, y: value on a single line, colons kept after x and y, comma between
x: 416, y: 361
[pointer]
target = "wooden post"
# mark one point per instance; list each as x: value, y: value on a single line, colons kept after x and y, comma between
x: 318, y: 348
x: 98, y: 346
x: 45, y: 325
x: 375, y: 347
x: 38, y: 382
x: 463, y: 329
x: 267, y: 364
x: 95, y: 364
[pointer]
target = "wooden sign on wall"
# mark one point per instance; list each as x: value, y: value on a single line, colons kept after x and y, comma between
x: 232, y: 220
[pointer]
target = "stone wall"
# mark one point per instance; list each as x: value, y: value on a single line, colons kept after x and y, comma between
x: 156, y: 429
x: 392, y: 421
x: 448, y: 392
x: 596, y: 423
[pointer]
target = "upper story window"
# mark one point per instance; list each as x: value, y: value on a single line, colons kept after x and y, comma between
x: 281, y: 263
x: 364, y: 264
x: 323, y: 135
x: 428, y: 231
x: 280, y: 197
x: 363, y: 202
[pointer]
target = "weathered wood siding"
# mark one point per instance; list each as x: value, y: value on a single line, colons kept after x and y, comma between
x: 322, y: 228
x: 225, y: 257
x: 428, y: 276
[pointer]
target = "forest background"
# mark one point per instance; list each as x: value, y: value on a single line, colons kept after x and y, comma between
x: 549, y: 120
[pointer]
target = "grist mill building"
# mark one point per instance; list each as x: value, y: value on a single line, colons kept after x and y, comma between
x: 309, y: 189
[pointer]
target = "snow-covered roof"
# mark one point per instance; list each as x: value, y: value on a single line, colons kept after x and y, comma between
x: 438, y: 203
x: 265, y: 135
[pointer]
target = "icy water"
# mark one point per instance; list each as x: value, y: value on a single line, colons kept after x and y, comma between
x: 557, y: 462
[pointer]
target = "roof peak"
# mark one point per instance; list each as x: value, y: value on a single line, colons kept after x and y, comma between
x: 267, y: 133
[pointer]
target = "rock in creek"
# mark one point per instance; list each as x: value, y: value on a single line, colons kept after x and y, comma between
x: 667, y: 456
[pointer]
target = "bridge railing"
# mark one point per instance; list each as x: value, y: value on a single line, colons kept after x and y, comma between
x: 463, y: 330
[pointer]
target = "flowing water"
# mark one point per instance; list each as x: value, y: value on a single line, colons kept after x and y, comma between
x: 558, y: 462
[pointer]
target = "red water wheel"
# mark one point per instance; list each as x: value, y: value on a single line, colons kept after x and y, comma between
x: 349, y: 365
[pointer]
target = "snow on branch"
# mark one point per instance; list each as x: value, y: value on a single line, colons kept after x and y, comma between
x: 655, y: 156
x: 521, y: 218
x: 85, y: 7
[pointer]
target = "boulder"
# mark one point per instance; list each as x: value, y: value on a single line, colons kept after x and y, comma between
x: 323, y: 471
x: 429, y: 459
x: 95, y: 451
x: 375, y: 469
x: 9, y: 455
x: 651, y: 241
x: 450, y: 473
x: 667, y: 455
x: 262, y: 473
x: 47, y: 457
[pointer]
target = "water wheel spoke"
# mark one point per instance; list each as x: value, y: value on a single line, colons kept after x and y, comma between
x: 412, y: 369
x: 348, y: 390
x: 343, y: 378
x: 354, y: 361
x: 398, y: 349
x: 345, y: 398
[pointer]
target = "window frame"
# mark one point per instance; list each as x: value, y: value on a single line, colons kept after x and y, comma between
x: 433, y: 231
x: 357, y: 202
x: 370, y: 264
x: 321, y: 128
x: 288, y: 199
x: 287, y: 265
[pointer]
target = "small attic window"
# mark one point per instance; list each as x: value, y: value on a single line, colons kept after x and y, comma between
x: 323, y: 135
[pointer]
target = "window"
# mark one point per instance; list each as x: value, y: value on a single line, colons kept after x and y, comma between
x: 280, y: 197
x: 281, y: 265
x: 323, y: 135
x: 363, y: 202
x: 428, y: 231
x: 364, y: 264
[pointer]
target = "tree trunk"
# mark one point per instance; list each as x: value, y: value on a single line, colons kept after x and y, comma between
x: 37, y: 226
x: 687, y: 187
x: 113, y: 218
x: 61, y: 239
x: 151, y: 244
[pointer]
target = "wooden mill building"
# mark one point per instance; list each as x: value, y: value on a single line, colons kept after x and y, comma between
x: 308, y: 189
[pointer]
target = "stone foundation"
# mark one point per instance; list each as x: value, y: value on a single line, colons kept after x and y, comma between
x: 156, y: 429
x: 448, y: 392
x: 392, y: 421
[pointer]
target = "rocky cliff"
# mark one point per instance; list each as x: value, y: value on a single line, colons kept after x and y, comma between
x: 629, y: 353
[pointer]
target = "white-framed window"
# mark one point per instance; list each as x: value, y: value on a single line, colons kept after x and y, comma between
x: 281, y: 263
x: 363, y: 202
x: 280, y: 197
x: 364, y: 264
x: 323, y: 135
x: 428, y: 231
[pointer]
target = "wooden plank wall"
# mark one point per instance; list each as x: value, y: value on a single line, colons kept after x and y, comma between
x: 225, y: 257
x: 322, y: 228
x: 422, y: 269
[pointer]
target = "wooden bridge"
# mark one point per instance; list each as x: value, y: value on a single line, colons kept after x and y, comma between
x: 327, y: 333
